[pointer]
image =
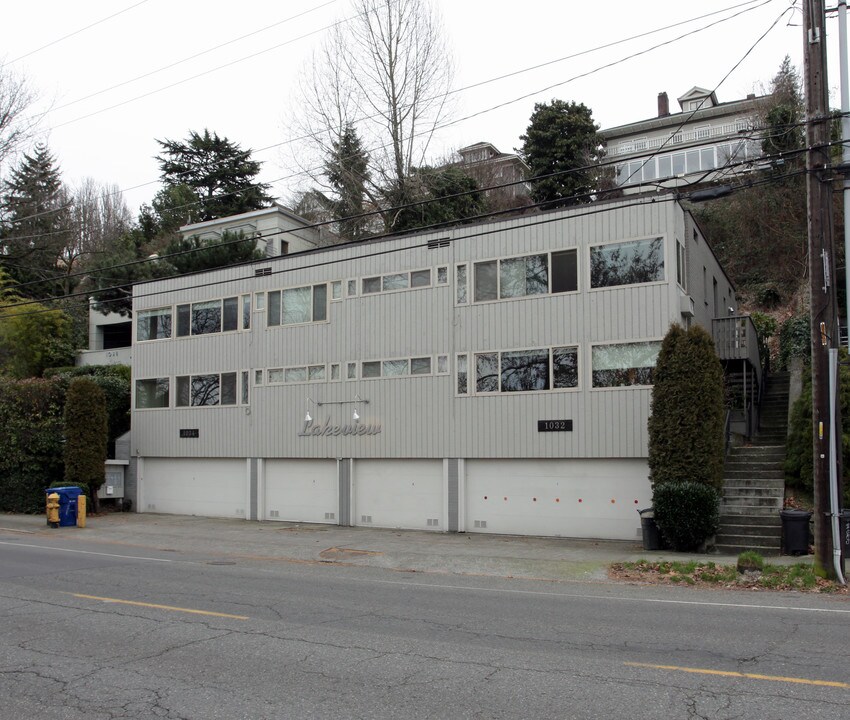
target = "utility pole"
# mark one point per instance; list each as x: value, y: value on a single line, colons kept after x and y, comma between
x: 821, y: 264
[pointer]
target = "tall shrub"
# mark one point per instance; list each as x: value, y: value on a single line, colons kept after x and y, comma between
x: 687, y: 413
x: 30, y: 442
x: 85, y: 435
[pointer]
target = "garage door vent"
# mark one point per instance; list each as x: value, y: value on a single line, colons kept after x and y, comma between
x: 433, y: 522
x: 330, y: 516
x: 438, y: 243
x: 262, y: 272
x: 274, y: 513
x: 481, y: 523
x: 366, y: 518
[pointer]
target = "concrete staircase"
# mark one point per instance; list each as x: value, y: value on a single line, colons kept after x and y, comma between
x: 754, y: 481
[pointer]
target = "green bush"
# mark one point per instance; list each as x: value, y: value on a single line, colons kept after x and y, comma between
x: 687, y: 414
x: 30, y: 442
x: 794, y: 340
x: 85, y: 435
x: 687, y: 513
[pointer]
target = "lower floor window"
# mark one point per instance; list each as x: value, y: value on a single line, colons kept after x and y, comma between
x: 624, y: 364
x: 152, y: 393
x: 522, y: 370
x: 206, y: 390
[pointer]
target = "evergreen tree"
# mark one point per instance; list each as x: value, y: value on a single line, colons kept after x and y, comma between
x: 221, y: 176
x: 562, y: 138
x: 85, y: 436
x: 193, y: 254
x: 450, y: 195
x: 347, y: 170
x: 782, y: 119
x: 687, y: 413
x: 36, y: 224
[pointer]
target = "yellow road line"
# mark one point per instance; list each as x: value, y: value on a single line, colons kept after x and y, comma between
x: 750, y: 676
x: 160, y: 607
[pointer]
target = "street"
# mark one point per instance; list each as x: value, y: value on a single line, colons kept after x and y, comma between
x: 99, y: 634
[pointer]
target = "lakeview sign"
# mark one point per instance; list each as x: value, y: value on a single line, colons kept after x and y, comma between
x: 311, y: 429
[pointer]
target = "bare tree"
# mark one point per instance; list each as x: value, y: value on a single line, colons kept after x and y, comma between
x: 386, y: 72
x: 16, y: 127
x: 99, y: 217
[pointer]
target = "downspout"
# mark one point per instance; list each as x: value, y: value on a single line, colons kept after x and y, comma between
x: 833, y: 480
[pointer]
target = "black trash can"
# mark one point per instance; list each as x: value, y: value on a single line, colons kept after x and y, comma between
x: 795, y: 531
x: 649, y: 530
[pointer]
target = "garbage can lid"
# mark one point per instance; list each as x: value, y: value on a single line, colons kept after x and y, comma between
x: 647, y: 512
x: 792, y: 513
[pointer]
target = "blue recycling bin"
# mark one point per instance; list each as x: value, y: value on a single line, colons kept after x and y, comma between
x: 67, y: 504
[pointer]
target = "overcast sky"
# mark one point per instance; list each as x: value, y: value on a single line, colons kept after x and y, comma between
x: 111, y: 89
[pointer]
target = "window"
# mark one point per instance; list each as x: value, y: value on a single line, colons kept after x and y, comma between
x: 298, y: 374
x: 397, y: 367
x: 462, y: 374
x: 298, y: 305
x: 245, y: 384
x: 152, y: 393
x: 665, y: 166
x: 351, y: 371
x: 211, y: 316
x: 680, y: 265
x: 525, y: 370
x: 442, y: 275
x: 707, y: 159
x: 351, y: 288
x: 627, y: 263
x: 206, y: 390
x: 153, y: 324
x: 246, y: 312
x: 461, y: 284
x: 396, y: 281
x: 336, y: 290
x: 624, y: 364
x: 260, y: 301
x: 258, y: 377
x: 442, y: 364
x: 335, y: 371
x: 525, y: 276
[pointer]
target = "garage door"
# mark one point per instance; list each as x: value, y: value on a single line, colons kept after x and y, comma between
x: 561, y: 498
x: 190, y: 486
x: 399, y: 494
x: 302, y: 490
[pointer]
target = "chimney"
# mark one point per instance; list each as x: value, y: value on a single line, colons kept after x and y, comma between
x: 663, y: 105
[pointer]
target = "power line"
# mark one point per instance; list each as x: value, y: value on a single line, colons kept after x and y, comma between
x: 481, y: 112
x: 76, y: 32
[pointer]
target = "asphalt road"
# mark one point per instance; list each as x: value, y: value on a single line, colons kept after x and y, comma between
x: 165, y: 635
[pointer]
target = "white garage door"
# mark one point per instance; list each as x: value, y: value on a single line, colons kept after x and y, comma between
x: 399, y: 494
x: 561, y: 498
x: 302, y: 490
x: 194, y: 486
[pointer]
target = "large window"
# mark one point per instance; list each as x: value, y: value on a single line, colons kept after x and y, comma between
x: 206, y: 390
x: 624, y: 364
x: 627, y: 263
x: 152, y: 393
x: 519, y: 370
x: 517, y: 277
x: 298, y: 305
x: 210, y: 316
x: 153, y: 324
x: 397, y: 281
x: 298, y: 374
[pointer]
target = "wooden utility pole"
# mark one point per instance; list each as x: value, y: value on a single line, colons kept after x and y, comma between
x: 821, y: 264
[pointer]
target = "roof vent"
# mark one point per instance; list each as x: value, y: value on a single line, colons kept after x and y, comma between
x: 262, y: 272
x: 438, y: 243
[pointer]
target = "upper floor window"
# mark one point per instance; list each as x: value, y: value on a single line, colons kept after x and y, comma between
x: 627, y: 263
x: 298, y: 305
x: 153, y: 324
x: 523, y: 276
x: 622, y: 364
x: 210, y: 316
x: 396, y: 281
x: 521, y: 370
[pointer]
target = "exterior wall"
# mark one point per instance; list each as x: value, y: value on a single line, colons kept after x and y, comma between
x: 416, y: 418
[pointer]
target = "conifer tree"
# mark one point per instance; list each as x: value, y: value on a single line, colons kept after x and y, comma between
x: 85, y: 436
x: 347, y: 171
x: 36, y: 224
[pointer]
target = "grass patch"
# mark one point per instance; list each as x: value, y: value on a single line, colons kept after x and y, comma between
x: 750, y: 572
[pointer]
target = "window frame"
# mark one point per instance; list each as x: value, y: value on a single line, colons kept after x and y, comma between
x: 167, y: 382
x: 381, y: 278
x: 237, y: 390
x: 407, y: 374
x: 311, y: 291
x: 472, y: 278
x: 648, y: 238
x: 159, y: 313
x: 472, y: 371
x: 630, y: 387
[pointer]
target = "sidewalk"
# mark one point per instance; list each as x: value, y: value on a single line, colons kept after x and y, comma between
x: 551, y: 559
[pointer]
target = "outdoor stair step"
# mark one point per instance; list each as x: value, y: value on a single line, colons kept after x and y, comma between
x: 752, y: 473
x: 761, y: 531
x: 741, y: 493
x: 762, y: 520
x: 750, y: 505
x: 739, y: 539
x: 734, y: 549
